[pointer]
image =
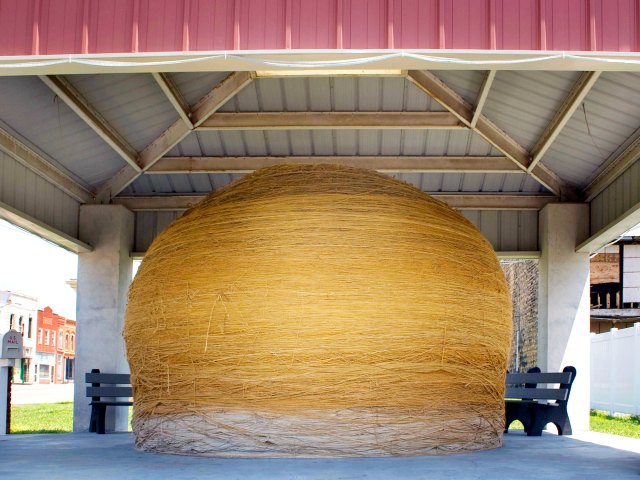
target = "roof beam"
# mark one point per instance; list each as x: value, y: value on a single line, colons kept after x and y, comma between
x: 488, y: 201
x: 78, y: 104
x: 174, y: 96
x: 32, y: 160
x: 579, y: 91
x: 614, y: 169
x: 207, y: 105
x: 482, y: 96
x: 443, y: 94
x: 405, y: 164
x: 331, y: 120
x: 460, y: 201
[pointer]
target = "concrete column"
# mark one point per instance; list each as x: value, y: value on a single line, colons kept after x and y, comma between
x: 104, y: 275
x: 563, y: 313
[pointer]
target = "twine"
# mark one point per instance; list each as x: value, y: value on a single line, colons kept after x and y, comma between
x: 318, y: 310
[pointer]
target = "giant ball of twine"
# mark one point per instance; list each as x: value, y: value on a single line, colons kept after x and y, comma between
x: 318, y: 311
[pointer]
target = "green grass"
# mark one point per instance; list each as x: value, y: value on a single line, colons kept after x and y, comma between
x: 42, y: 418
x: 625, y: 426
x: 45, y: 418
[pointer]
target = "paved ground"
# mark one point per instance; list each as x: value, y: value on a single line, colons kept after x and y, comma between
x: 36, y: 393
x: 84, y: 455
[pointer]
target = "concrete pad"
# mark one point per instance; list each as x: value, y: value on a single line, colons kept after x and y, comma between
x: 85, y: 455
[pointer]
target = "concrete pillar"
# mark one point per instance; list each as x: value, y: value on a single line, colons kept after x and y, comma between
x: 104, y: 275
x: 563, y: 313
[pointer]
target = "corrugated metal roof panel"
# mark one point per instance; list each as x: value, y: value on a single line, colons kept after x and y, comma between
x: 610, y: 114
x: 616, y: 199
x: 465, y: 83
x: 132, y: 104
x: 28, y: 192
x: 194, y: 86
x: 523, y: 103
x: 334, y: 142
x: 325, y: 94
x: 228, y: 25
x: 428, y: 182
x: 32, y: 110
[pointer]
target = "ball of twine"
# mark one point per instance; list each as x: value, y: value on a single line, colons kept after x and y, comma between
x: 318, y: 310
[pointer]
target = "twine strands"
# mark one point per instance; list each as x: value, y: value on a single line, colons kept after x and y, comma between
x: 318, y: 310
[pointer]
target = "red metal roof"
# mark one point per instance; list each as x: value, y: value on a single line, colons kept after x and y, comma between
x: 46, y: 27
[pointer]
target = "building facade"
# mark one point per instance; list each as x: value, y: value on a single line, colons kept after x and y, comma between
x: 19, y: 312
x: 55, y: 347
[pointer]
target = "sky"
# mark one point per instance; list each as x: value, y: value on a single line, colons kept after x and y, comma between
x: 35, y: 267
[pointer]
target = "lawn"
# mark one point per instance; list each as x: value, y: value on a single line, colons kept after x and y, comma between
x: 626, y: 426
x: 58, y: 418
x: 44, y: 418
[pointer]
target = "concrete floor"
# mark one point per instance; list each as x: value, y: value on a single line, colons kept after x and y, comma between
x: 91, y: 456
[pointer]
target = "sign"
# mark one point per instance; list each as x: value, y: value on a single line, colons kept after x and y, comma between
x: 11, y: 345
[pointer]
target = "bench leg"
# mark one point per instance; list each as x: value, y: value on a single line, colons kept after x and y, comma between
x: 541, y: 417
x: 536, y: 429
x: 102, y: 413
x: 564, y: 428
x: 562, y: 423
x: 93, y: 420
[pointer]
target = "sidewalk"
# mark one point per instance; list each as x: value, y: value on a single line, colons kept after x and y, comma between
x: 37, y: 393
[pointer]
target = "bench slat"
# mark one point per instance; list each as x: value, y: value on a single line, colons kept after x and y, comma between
x: 536, y: 393
x: 562, y: 377
x: 110, y: 378
x: 109, y: 392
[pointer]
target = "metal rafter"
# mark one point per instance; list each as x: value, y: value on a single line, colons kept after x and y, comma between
x: 399, y: 163
x: 459, y: 201
x: 579, y: 91
x: 449, y: 99
x: 482, y: 96
x: 32, y: 160
x: 81, y: 107
x: 207, y: 105
x: 174, y: 96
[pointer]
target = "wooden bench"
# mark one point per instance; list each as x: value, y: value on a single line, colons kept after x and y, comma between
x: 105, y: 390
x: 536, y: 407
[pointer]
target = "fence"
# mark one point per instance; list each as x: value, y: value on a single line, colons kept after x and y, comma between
x: 615, y: 370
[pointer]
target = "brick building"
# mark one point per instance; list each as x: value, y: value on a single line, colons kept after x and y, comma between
x: 55, y: 347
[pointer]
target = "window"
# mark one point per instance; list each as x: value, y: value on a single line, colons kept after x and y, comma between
x: 66, y: 341
x: 46, y: 337
x: 40, y: 336
x: 53, y: 338
x: 29, y: 327
x: 72, y: 337
x: 11, y: 320
x: 61, y: 339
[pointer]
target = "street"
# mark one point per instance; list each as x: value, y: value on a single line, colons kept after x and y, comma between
x: 37, y: 393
